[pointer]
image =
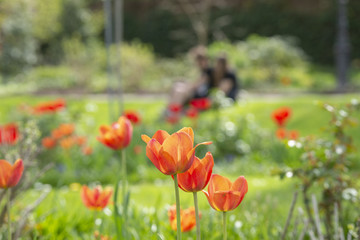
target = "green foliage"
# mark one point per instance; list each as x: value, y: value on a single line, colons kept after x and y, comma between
x: 262, y: 62
x: 18, y: 46
x: 326, y: 162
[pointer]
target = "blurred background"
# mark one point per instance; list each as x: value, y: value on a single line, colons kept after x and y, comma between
x: 281, y: 45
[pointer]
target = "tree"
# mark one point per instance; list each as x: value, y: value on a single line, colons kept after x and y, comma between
x: 342, y: 52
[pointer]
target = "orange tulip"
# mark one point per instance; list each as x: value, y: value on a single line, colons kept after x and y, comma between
x: 171, y: 154
x: 293, y: 134
x: 48, y: 142
x: 80, y: 140
x: 188, y: 219
x: 65, y: 129
x: 87, y: 150
x: 281, y: 133
x: 117, y: 136
x: 67, y: 143
x: 223, y: 195
x: 197, y: 177
x: 10, y: 175
x: 95, y: 199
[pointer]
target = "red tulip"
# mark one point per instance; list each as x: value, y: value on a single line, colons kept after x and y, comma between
x: 281, y: 115
x: 201, y: 103
x: 173, y: 119
x: 175, y: 108
x: 48, y: 142
x: 171, y: 154
x: 117, y: 136
x: 49, y: 107
x: 95, y: 199
x: 192, y: 113
x: 197, y: 177
x: 223, y: 195
x: 9, y: 134
x: 10, y: 175
x: 188, y: 219
x: 133, y: 116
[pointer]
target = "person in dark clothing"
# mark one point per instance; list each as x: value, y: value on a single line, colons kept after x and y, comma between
x: 224, y: 79
x: 201, y: 89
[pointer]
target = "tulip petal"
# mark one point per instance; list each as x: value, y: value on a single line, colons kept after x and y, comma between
x: 16, y: 173
x: 145, y: 138
x: 218, y: 183
x: 189, y: 131
x: 152, y: 152
x: 226, y: 200
x: 161, y: 135
x: 210, y: 200
x: 240, y: 185
x: 177, y: 146
x: 167, y: 163
x: 104, y: 129
x: 5, y: 172
x: 127, y: 131
x: 85, y: 196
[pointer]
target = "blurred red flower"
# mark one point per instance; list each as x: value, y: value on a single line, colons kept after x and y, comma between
x: 9, y: 133
x: 175, y: 107
x: 80, y: 140
x: 10, y: 175
x: 201, y: 103
x: 281, y: 115
x: 67, y: 143
x: 48, y: 142
x: 63, y: 130
x: 293, y: 135
x: 192, y: 113
x: 87, y: 150
x: 133, y: 116
x: 281, y: 133
x: 95, y: 199
x: 188, y: 219
x: 173, y: 119
x: 49, y: 107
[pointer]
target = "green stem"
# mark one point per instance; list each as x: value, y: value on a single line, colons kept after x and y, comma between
x: 116, y: 210
x: 124, y: 189
x: 224, y: 225
x: 8, y: 208
x: 178, y: 219
x: 198, y: 233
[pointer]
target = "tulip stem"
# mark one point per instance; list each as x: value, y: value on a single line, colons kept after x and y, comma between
x: 124, y: 189
x: 116, y: 209
x: 178, y: 219
x: 198, y: 233
x: 9, y: 218
x: 224, y: 225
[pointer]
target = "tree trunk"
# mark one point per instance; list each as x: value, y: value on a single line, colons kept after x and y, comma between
x: 342, y: 46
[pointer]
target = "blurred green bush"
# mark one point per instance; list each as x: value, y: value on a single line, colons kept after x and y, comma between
x: 266, y: 61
